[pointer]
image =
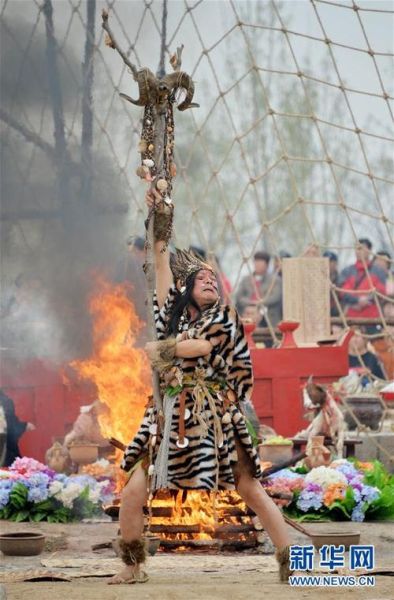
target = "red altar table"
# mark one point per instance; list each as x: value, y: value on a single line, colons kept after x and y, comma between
x: 280, y: 374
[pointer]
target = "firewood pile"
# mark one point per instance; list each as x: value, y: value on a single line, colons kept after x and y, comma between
x: 193, y: 522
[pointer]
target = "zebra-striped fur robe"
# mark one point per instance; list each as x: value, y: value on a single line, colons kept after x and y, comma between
x: 202, y: 464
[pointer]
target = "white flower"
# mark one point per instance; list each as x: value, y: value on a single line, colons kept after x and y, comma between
x: 324, y: 476
x: 70, y: 493
x: 55, y: 488
x: 94, y: 495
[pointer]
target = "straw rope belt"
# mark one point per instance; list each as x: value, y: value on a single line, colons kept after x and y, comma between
x: 202, y: 389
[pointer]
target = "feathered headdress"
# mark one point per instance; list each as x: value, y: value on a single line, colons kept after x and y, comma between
x: 184, y: 263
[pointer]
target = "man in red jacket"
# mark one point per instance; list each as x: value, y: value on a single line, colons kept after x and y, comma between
x: 361, y: 279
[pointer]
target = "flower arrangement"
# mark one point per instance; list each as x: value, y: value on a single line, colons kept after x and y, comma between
x: 346, y: 489
x: 30, y: 491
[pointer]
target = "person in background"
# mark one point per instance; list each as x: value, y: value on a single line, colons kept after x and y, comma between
x: 311, y: 251
x: 363, y: 360
x: 333, y: 272
x: 384, y: 346
x: 262, y: 290
x: 278, y: 261
x: 15, y: 428
x: 362, y: 276
x: 251, y: 314
x: 383, y: 261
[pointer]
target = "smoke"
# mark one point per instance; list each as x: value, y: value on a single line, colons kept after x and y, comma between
x: 24, y: 74
x: 56, y: 230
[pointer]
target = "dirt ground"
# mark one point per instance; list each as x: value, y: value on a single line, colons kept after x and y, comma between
x: 237, y: 576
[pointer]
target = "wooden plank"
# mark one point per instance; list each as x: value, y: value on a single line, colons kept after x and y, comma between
x: 306, y: 297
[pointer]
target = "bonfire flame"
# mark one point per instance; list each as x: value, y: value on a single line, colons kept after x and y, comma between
x: 119, y: 371
x: 121, y: 374
x: 198, y: 508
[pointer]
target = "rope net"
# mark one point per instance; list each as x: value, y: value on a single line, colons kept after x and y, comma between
x: 290, y: 152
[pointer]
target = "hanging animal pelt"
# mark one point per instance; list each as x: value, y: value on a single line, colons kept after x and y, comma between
x: 328, y: 419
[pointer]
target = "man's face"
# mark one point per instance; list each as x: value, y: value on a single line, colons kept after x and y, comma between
x: 251, y: 313
x: 260, y: 266
x: 382, y: 262
x: 357, y: 344
x: 333, y: 266
x: 205, y: 290
x: 362, y: 252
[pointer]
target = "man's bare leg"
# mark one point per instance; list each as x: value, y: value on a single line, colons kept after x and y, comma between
x: 271, y: 518
x: 254, y: 495
x: 131, y: 519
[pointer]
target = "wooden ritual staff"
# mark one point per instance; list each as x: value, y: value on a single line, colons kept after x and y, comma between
x: 157, y: 95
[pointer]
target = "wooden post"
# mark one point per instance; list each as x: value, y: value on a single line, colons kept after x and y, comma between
x: 306, y: 297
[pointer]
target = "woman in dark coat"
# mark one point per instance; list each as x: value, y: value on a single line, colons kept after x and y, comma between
x: 14, y: 429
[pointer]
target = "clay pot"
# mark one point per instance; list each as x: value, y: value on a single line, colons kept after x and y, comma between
x: 367, y: 409
x: 318, y: 454
x: 83, y: 453
x: 275, y: 453
x: 336, y: 538
x: 22, y: 543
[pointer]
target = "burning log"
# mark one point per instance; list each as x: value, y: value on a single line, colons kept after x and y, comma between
x: 209, y: 544
x: 162, y: 511
x: 233, y: 511
x: 167, y: 529
x: 117, y: 444
x: 234, y: 529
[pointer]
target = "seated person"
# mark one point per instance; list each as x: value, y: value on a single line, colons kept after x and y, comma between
x: 363, y: 360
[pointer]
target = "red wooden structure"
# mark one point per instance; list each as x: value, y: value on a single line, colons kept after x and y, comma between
x: 42, y: 396
x: 281, y: 373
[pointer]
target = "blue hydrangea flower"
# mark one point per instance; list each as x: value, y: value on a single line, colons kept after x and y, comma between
x: 4, y: 496
x: 6, y: 484
x: 37, y: 493
x: 85, y: 480
x: 310, y: 497
x: 350, y: 472
x: 24, y: 480
x: 369, y: 493
x: 287, y: 473
x: 358, y: 513
x: 38, y: 479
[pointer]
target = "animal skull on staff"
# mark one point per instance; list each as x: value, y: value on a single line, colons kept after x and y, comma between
x: 156, y: 146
